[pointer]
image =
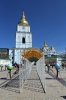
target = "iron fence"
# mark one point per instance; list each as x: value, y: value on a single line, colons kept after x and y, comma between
x: 41, y: 72
x: 24, y: 71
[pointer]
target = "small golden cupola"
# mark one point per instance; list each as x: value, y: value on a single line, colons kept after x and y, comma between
x: 23, y: 20
x: 52, y: 48
x: 45, y: 45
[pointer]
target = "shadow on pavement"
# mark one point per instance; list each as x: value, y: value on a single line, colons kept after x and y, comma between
x: 11, y: 85
x: 63, y: 97
x: 63, y: 81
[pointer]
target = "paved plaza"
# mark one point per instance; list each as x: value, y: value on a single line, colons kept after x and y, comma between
x: 32, y: 89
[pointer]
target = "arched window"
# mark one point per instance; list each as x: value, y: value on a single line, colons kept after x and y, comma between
x: 23, y: 40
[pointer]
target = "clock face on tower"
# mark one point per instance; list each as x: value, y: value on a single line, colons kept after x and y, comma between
x: 23, y: 28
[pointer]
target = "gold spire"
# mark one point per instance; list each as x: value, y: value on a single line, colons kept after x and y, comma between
x: 45, y: 45
x: 23, y: 20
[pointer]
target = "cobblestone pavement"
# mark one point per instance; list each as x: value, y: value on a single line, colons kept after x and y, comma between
x: 32, y: 89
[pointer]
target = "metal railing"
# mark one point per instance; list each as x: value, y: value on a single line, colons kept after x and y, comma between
x: 24, y: 71
x: 41, y: 72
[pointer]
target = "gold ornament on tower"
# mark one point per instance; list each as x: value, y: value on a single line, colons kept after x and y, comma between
x: 45, y: 45
x: 23, y: 20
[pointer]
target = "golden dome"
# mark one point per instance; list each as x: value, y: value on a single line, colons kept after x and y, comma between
x: 23, y: 20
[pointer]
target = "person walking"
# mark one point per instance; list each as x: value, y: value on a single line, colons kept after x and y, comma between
x: 48, y: 67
